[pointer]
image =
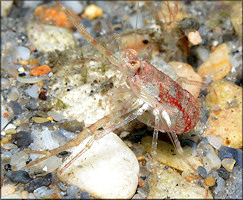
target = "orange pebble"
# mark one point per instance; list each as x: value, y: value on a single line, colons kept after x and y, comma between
x: 5, y: 114
x: 50, y: 118
x: 41, y: 70
x: 55, y: 196
x: 213, y: 48
x: 54, y: 15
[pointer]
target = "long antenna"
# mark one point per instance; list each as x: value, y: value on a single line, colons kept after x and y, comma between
x: 137, y: 16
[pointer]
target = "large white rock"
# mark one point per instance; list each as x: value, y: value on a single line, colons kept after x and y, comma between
x: 109, y: 169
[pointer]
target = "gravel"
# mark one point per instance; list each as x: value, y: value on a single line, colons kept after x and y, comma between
x: 18, y: 176
x: 39, y: 182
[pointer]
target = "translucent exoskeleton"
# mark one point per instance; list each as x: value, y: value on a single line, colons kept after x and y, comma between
x: 172, y: 108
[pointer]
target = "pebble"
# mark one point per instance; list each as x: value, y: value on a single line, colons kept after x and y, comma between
x: 167, y: 155
x: 109, y: 169
x: 225, y: 123
x: 234, y: 186
x: 220, y: 185
x: 43, y: 193
x: 216, y: 142
x: 217, y: 65
x: 61, y: 186
x: 56, y: 115
x: 8, y: 167
x: 85, y: 195
x: 72, y: 126
x: 23, y: 139
x: 33, y: 91
x: 228, y: 164
x: 10, y: 131
x: 223, y: 173
x: 40, y: 120
x: 5, y: 84
x: 202, y: 172
x: 31, y: 106
x: 4, y: 122
x: 14, y: 94
x: 186, y: 71
x: 40, y: 70
x: 48, y: 38
x: 54, y: 15
x: 6, y: 7
x: 210, y: 181
x: 92, y: 11
x: 73, y: 189
x: 10, y: 126
x: 18, y: 160
x: 75, y: 6
x: 228, y: 152
x: 20, y: 53
x: 39, y: 182
x: 16, y: 107
x: 194, y: 37
x: 18, y: 176
x: 171, y: 184
x: 25, y: 195
x: 236, y: 18
x: 7, y: 189
x: 209, y: 157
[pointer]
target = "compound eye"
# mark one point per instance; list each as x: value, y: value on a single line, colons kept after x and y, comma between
x: 133, y: 64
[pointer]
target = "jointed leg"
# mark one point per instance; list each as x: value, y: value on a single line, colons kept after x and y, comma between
x: 180, y: 151
x: 104, y: 122
x: 100, y: 135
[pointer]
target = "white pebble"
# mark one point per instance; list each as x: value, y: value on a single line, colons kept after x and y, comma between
x: 33, y: 91
x: 7, y: 189
x: 109, y: 169
x: 10, y: 126
x: 43, y: 140
x: 5, y: 84
x: 4, y: 122
x: 75, y: 6
x: 56, y: 115
x: 43, y: 192
x: 216, y: 142
x: 20, y: 53
x: 18, y: 160
x: 211, y: 160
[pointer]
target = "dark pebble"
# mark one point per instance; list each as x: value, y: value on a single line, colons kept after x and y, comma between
x: 71, y: 196
x: 18, y: 176
x: 188, y: 142
x: 189, y: 23
x: 23, y: 139
x: 8, y: 167
x: 202, y: 172
x: 223, y: 173
x: 38, y: 182
x: 31, y: 106
x: 16, y: 107
x: 228, y: 152
x: 137, y: 135
x: 42, y: 95
x: 85, y: 195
